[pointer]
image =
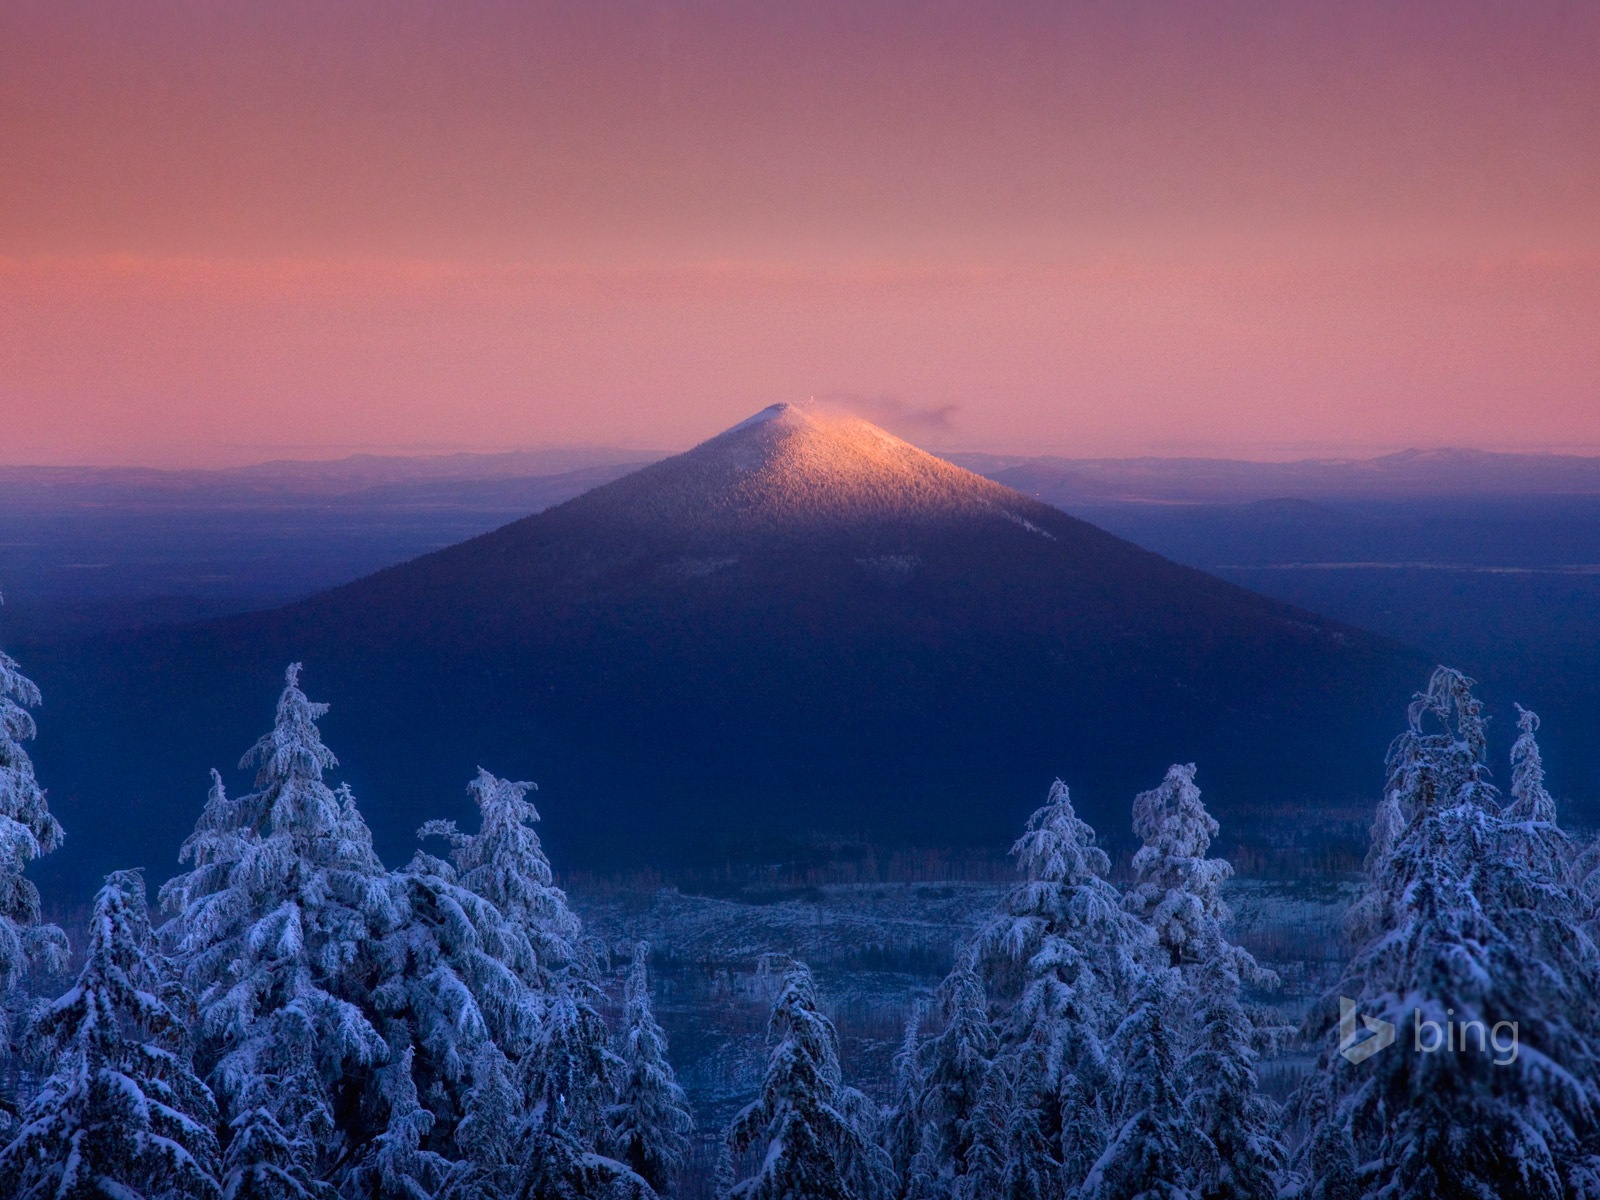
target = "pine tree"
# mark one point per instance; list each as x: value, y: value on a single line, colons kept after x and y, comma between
x: 1062, y: 937
x: 493, y: 956
x: 1530, y: 801
x: 505, y: 864
x: 1063, y: 960
x: 1157, y: 1146
x: 954, y: 1068
x: 810, y: 1146
x: 871, y: 1171
x: 1532, y: 832
x: 122, y: 1114
x: 1177, y: 890
x: 488, y: 1134
x: 572, y: 1072
x: 568, y: 1082
x: 903, y: 1130
x: 1086, y: 1120
x: 1032, y: 1162
x: 261, y: 1162
x: 725, y: 1177
x: 1469, y: 916
x: 27, y: 830
x: 651, y: 1120
x: 993, y: 1133
x: 395, y: 1166
x: 1331, y: 1159
x: 206, y: 898
x: 1223, y: 1093
x: 279, y: 927
x: 455, y: 978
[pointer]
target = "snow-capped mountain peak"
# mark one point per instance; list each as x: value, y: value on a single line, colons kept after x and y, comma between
x: 793, y: 464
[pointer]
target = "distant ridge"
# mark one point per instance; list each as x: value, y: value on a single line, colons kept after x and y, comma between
x: 1447, y: 472
x: 299, y: 479
x: 1441, y: 472
x: 801, y: 625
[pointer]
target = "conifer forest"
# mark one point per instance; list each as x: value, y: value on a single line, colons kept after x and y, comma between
x: 287, y: 1017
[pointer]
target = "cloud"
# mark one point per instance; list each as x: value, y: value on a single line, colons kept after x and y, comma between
x: 897, y: 415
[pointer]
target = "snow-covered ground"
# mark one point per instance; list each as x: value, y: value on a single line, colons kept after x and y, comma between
x: 878, y: 951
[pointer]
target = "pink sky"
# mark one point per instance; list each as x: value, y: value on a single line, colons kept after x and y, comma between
x: 236, y: 231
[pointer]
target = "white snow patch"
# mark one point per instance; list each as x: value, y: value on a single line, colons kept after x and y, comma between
x: 1026, y: 524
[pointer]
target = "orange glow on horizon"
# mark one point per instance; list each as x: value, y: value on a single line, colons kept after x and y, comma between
x: 247, y: 231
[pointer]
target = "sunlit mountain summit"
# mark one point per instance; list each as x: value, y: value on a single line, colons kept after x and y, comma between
x: 800, y: 466
x: 803, y: 626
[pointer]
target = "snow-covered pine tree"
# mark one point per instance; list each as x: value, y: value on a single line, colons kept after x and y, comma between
x: 1085, y: 1125
x: 395, y: 1166
x: 1584, y: 856
x: 550, y: 1028
x: 1063, y: 960
x: 1031, y: 1158
x: 1529, y: 799
x: 809, y: 1146
x: 903, y: 1128
x: 279, y: 927
x: 122, y: 1114
x: 1548, y: 917
x: 27, y: 830
x: 456, y: 976
x: 226, y: 833
x: 487, y: 1136
x: 1331, y: 1165
x: 568, y: 1081
x: 261, y: 1162
x: 1223, y: 1094
x: 504, y: 863
x: 951, y: 1072
x: 998, y: 1128
x: 1468, y: 917
x: 651, y: 1120
x: 1177, y: 890
x: 1157, y: 1151
x: 1533, y: 831
x: 864, y: 1116
x: 572, y: 1070
x: 493, y: 955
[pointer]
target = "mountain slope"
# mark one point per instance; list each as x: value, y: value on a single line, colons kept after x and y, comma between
x: 803, y: 624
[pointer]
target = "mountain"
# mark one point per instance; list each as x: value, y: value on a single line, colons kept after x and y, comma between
x: 105, y: 548
x: 802, y: 625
